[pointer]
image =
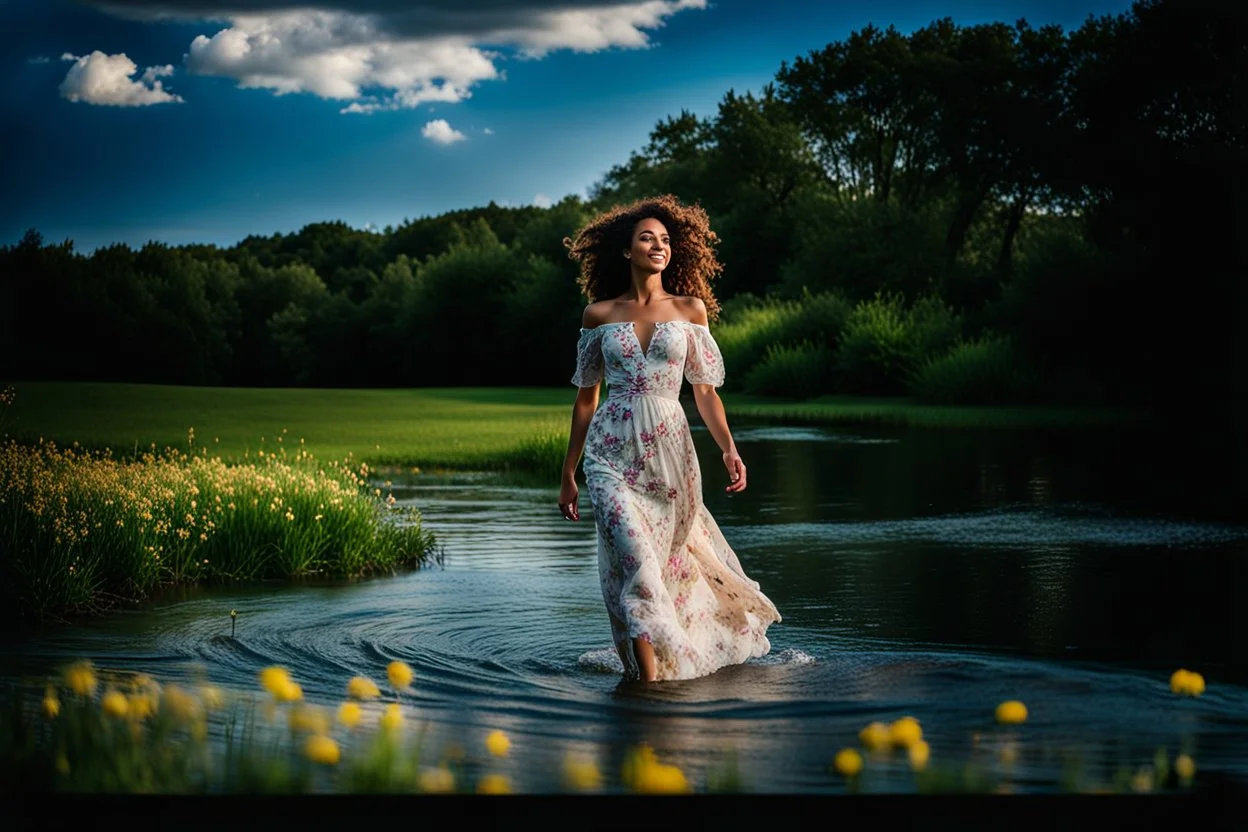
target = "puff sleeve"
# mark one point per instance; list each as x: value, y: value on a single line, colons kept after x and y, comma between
x: 588, y: 358
x: 703, y: 362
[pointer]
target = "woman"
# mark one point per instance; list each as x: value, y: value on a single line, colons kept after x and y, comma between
x: 680, y: 605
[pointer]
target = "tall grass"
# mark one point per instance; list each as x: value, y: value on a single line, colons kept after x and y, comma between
x: 752, y: 330
x: 82, y: 529
x: 803, y: 370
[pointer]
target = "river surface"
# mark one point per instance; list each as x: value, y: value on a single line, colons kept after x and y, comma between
x: 918, y: 572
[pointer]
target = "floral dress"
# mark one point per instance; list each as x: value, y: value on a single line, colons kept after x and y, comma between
x: 668, y: 575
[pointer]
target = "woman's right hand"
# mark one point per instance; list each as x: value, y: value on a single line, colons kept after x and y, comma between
x: 568, y: 494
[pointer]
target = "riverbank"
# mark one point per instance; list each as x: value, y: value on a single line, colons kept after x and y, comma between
x: 499, y: 428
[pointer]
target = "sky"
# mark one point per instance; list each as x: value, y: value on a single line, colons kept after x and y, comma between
x: 205, y: 121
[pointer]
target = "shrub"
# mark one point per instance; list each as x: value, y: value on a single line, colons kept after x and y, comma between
x: 988, y: 370
x: 802, y: 371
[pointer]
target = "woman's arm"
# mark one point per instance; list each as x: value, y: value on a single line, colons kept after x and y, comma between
x: 582, y: 413
x: 711, y: 409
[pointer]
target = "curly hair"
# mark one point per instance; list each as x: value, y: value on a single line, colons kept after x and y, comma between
x: 693, y: 265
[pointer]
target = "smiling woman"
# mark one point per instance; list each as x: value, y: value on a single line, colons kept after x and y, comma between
x: 679, y: 602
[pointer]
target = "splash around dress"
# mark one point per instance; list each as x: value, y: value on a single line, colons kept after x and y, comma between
x: 668, y: 575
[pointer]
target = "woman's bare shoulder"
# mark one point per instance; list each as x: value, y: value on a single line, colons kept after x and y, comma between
x: 693, y: 309
x: 596, y: 313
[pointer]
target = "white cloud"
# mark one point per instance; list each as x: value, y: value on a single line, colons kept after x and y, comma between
x: 542, y: 201
x: 487, y: 131
x: 439, y: 131
x: 376, y: 55
x: 105, y: 79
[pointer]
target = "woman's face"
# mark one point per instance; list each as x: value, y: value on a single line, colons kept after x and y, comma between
x: 651, y: 250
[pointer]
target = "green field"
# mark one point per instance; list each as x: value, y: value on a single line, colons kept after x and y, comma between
x: 454, y: 428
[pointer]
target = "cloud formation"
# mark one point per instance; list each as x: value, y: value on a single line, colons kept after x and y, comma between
x: 439, y: 131
x: 391, y: 54
x: 105, y: 79
x: 542, y: 201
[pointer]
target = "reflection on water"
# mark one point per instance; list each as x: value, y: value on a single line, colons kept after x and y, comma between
x: 925, y: 573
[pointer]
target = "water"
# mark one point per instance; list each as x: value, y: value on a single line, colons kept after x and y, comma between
x: 931, y: 573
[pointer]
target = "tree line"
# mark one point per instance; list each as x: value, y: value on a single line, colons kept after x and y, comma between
x: 967, y: 213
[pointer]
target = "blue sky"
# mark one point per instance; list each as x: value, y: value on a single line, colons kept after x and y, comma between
x: 173, y: 120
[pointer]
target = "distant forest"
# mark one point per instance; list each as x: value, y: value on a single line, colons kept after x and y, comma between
x: 987, y: 213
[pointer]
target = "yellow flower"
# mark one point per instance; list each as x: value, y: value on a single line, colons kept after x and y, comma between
x: 180, y: 704
x: 1011, y: 712
x: 349, y: 714
x: 1185, y: 768
x: 1187, y: 683
x: 848, y: 762
x: 392, y: 719
x: 81, y: 678
x: 362, y: 688
x: 919, y: 753
x: 400, y: 675
x: 662, y: 779
x: 321, y: 749
x: 438, y: 780
x: 636, y: 759
x: 581, y: 773
x: 875, y: 736
x: 309, y: 718
x: 114, y: 704
x: 905, y: 732
x: 274, y: 679
x: 199, y: 730
x: 494, y: 784
x: 497, y: 743
x: 62, y: 763
x: 1142, y: 781
x: 51, y: 706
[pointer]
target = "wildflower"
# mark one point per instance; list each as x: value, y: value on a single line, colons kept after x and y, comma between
x: 919, y: 753
x: 437, y: 780
x: 180, y: 704
x: 142, y: 705
x: 362, y: 688
x: 309, y: 718
x: 1185, y: 768
x: 392, y: 718
x: 497, y: 743
x: 848, y: 762
x: 322, y: 749
x: 659, y: 778
x: 81, y: 678
x: 1011, y: 712
x: 905, y: 732
x: 51, y: 705
x: 400, y: 675
x: 1187, y: 683
x: 581, y: 773
x: 114, y: 704
x: 494, y: 784
x: 1142, y: 781
x: 278, y: 682
x: 349, y: 714
x: 875, y: 736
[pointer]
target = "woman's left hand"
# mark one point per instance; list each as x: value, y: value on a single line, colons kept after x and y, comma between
x: 736, y: 471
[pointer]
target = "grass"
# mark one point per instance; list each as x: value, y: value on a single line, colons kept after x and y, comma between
x: 450, y: 428
x: 80, y: 529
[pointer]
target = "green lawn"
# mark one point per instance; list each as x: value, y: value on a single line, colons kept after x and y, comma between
x: 461, y: 428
